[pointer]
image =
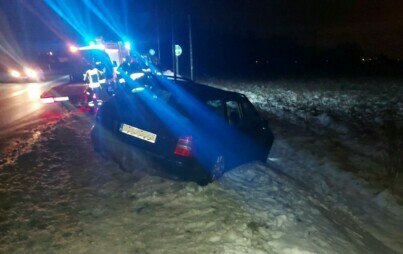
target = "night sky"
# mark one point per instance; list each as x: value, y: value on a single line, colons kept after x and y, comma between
x: 374, y: 26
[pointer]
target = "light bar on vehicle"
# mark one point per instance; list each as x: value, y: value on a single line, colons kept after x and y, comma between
x: 97, y: 46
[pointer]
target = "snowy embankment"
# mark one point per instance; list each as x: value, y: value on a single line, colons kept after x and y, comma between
x: 328, y: 133
x: 61, y: 197
x: 360, y: 121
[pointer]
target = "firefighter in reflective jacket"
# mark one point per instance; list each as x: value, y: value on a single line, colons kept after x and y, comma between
x: 93, y: 78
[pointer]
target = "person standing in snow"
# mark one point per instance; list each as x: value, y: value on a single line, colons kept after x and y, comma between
x: 93, y: 93
x: 93, y: 77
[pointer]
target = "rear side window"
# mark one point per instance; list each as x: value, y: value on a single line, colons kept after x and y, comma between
x: 234, y: 112
x: 241, y: 113
x: 217, y: 106
x: 250, y: 113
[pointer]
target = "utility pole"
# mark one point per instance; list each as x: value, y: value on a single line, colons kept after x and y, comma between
x: 190, y: 47
x: 158, y: 30
x: 173, y: 42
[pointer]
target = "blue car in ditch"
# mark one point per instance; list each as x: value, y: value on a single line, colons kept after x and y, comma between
x: 193, y: 130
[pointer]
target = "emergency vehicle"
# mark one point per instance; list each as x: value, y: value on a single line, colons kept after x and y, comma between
x: 106, y: 55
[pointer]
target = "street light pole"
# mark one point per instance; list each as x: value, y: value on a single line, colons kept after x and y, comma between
x: 158, y: 31
x: 173, y: 42
x: 190, y: 47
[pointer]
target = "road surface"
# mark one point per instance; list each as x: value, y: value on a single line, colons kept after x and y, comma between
x: 23, y: 116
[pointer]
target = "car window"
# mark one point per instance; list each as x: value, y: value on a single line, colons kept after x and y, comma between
x: 234, y: 112
x: 250, y: 113
x: 217, y: 106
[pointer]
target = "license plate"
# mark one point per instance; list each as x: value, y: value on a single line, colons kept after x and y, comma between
x: 138, y: 133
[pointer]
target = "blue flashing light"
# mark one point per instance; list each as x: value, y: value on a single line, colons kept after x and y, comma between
x: 127, y: 45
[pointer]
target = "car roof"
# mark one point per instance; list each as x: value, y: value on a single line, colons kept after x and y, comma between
x: 203, y: 91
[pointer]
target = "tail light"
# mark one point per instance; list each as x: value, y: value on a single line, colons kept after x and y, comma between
x: 184, y: 146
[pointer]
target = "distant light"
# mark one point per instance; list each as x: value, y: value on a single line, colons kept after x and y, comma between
x: 151, y: 52
x: 50, y: 53
x: 30, y: 73
x: 127, y: 45
x: 92, y: 43
x: 73, y: 49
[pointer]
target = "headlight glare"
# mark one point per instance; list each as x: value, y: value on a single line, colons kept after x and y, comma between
x: 15, y: 73
x: 30, y: 73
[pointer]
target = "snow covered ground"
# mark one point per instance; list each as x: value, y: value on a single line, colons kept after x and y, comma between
x: 61, y: 197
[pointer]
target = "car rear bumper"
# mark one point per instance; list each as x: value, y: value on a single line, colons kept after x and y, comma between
x: 107, y: 143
